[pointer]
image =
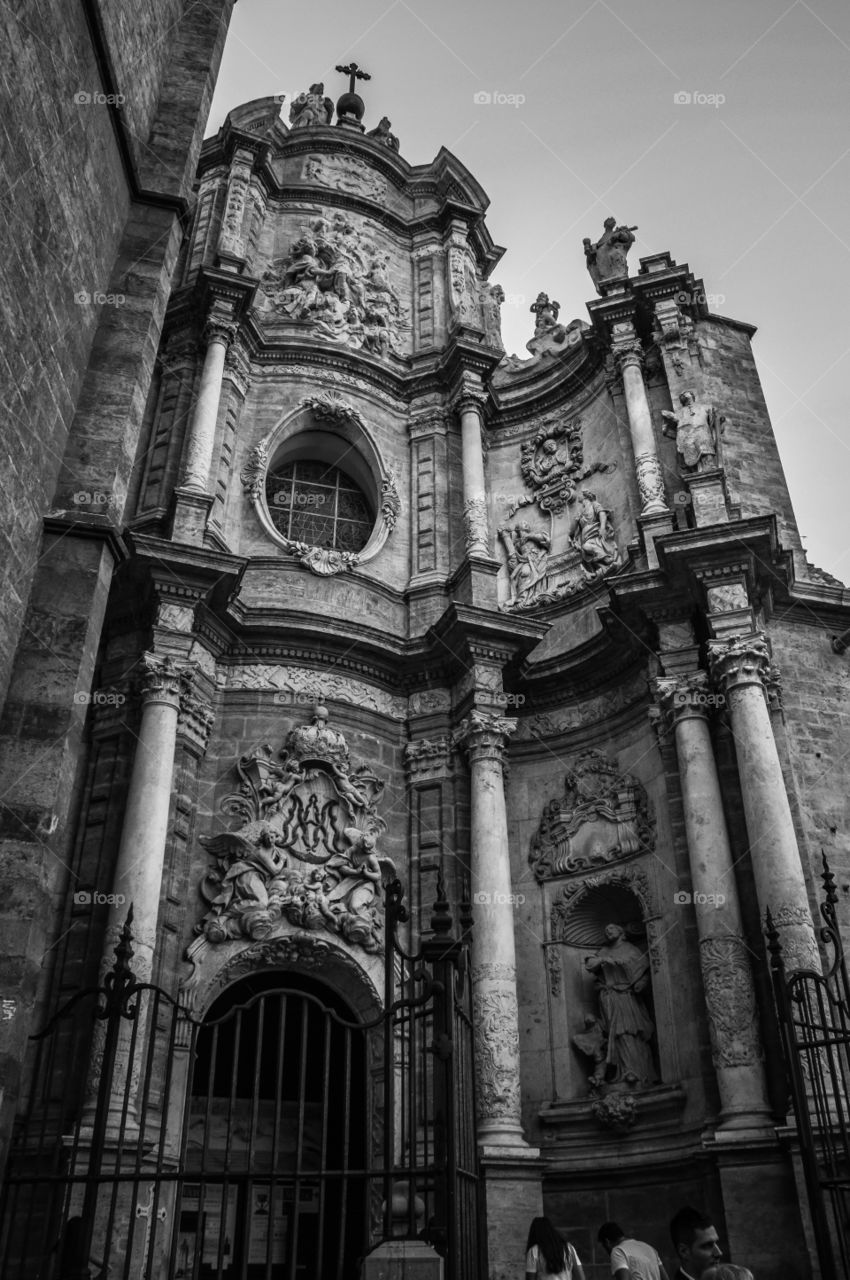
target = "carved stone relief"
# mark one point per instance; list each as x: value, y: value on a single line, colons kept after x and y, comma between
x: 731, y: 1001
x: 336, y: 280
x: 602, y: 817
x: 306, y: 850
x: 345, y: 173
x: 301, y: 686
x: 496, y: 1039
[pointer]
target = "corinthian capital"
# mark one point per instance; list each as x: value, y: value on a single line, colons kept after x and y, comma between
x: 470, y: 395
x: 686, y: 697
x: 163, y: 681
x: 483, y: 732
x: 220, y: 326
x: 628, y: 354
x: 738, y: 661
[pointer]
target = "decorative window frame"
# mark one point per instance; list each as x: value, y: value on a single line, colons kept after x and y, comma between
x: 324, y: 412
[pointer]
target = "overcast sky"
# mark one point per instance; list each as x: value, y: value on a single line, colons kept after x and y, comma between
x: 747, y: 182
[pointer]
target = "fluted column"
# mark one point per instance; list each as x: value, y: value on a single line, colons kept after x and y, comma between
x: 727, y: 979
x: 469, y: 405
x: 219, y: 333
x: 741, y: 667
x: 494, y: 998
x: 647, y: 465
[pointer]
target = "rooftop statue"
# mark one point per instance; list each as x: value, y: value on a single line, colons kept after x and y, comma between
x: 311, y: 108
x: 383, y: 133
x: 607, y: 259
x: 696, y: 427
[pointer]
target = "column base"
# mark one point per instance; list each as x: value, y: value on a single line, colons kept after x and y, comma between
x: 652, y: 525
x: 397, y: 1259
x: 513, y: 1195
x: 475, y: 582
x: 191, y: 512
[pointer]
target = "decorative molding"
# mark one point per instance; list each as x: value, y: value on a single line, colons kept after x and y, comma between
x: 731, y: 1001
x: 426, y: 759
x: 195, y: 721
x: 301, y: 686
x: 476, y: 524
x: 603, y: 817
x: 738, y: 661
x: 496, y: 1037
x: 650, y: 479
x: 483, y: 734
x: 632, y: 878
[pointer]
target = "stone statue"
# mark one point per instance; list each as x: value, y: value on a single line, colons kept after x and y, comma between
x: 695, y: 428
x: 382, y: 134
x: 310, y: 109
x: 545, y: 314
x: 591, y: 1042
x: 607, y: 259
x: 593, y: 536
x: 622, y: 975
x: 492, y: 297
x: 527, y: 553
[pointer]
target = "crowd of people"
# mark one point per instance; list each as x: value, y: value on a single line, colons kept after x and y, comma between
x: 696, y: 1244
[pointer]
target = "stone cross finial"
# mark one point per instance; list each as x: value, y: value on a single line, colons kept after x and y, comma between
x: 354, y: 73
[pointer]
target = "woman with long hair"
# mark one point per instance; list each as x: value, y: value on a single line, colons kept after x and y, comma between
x: 548, y: 1256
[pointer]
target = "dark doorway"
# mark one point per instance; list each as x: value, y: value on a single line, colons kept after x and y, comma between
x: 275, y: 1156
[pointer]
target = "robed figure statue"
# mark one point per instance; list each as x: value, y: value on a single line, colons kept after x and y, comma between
x: 622, y: 973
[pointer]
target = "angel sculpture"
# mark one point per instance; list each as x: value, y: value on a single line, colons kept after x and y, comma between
x: 251, y: 887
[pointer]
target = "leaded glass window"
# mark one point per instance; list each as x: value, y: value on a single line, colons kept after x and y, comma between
x: 319, y: 504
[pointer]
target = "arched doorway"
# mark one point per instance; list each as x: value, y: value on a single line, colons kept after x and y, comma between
x: 275, y: 1151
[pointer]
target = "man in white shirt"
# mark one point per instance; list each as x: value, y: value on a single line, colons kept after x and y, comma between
x: 630, y: 1259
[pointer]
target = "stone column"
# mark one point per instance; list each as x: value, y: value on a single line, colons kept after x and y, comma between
x: 741, y: 668
x: 494, y: 996
x: 219, y: 333
x: 730, y: 995
x: 649, y: 475
x: 469, y: 404
x: 141, y: 853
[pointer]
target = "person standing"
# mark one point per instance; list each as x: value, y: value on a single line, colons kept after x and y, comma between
x: 696, y: 1243
x: 548, y: 1256
x: 630, y: 1259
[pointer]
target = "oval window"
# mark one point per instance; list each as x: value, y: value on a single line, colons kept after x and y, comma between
x: 320, y: 505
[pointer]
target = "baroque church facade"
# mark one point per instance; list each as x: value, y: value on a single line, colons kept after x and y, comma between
x: 379, y: 600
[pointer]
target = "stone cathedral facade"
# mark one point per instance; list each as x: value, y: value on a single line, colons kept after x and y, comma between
x: 386, y: 597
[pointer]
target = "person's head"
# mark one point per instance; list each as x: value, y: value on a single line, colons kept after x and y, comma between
x: 687, y: 397
x: 609, y: 223
x: 550, y: 1244
x: 727, y: 1271
x: 613, y: 932
x: 610, y: 1234
x: 695, y: 1240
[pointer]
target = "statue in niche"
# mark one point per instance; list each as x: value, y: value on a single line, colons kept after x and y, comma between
x: 607, y: 259
x: 382, y: 133
x: 527, y: 552
x: 622, y: 974
x: 696, y: 428
x: 310, y: 109
x: 306, y: 852
x: 593, y: 536
x: 492, y: 298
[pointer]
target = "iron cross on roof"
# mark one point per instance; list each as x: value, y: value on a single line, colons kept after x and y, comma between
x: 354, y: 73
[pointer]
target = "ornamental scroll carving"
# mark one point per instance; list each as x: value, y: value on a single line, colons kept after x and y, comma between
x: 602, y: 817
x: 496, y: 1037
x: 731, y: 1001
x: 306, y: 850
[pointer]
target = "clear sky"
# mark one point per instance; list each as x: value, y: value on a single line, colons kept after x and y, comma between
x: 747, y: 182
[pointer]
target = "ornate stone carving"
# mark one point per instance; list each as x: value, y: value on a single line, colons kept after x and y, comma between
x: 492, y: 297
x: 607, y: 259
x: 545, y: 314
x: 390, y: 501
x: 552, y: 463
x: 593, y: 537
x: 553, y: 965
x: 348, y: 173
x: 429, y: 702
x: 475, y: 523
x: 237, y: 367
x: 617, y: 1111
x: 301, y: 686
x: 727, y: 598
x: 383, y: 133
x: 311, y: 108
x: 195, y: 721
x: 493, y: 972
x: 527, y: 553
x: 568, y: 904
x: 335, y: 278
x: 483, y: 731
x: 739, y: 660
x: 602, y: 817
x: 175, y: 617
x: 622, y: 975
x: 650, y: 479
x: 731, y: 1001
x: 162, y: 680
x: 306, y: 850
x: 496, y: 1036
x: 231, y: 239
x: 330, y: 406
x: 425, y: 758
x: 697, y: 429
x: 799, y: 950
x: 464, y: 298
x: 220, y: 325
x: 253, y: 474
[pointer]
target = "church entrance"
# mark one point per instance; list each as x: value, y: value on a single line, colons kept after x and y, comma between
x: 275, y: 1145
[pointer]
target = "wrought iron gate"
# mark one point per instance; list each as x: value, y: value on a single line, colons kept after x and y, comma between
x: 814, y: 1018
x: 277, y: 1139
